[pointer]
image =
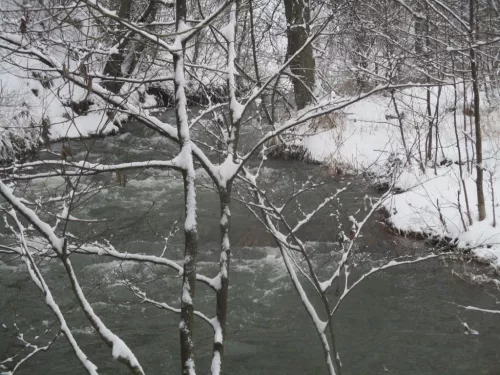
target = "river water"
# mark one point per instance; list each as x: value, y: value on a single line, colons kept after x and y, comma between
x: 404, y: 321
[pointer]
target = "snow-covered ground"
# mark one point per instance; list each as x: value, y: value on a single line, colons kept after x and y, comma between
x: 368, y: 137
x: 36, y: 107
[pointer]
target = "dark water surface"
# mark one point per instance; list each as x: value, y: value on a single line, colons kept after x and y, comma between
x: 404, y: 321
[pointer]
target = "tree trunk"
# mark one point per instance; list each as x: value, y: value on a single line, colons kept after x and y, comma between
x: 420, y: 28
x: 360, y: 60
x: 113, y: 67
x: 223, y: 292
x: 428, y: 153
x: 123, y: 63
x: 186, y: 325
x: 401, y: 129
x: 303, y: 65
x: 460, y: 166
x: 477, y: 117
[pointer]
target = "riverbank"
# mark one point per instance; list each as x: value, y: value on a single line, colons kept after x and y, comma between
x: 432, y: 197
x: 370, y: 135
x: 39, y: 108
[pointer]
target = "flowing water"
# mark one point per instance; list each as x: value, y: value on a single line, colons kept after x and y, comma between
x: 403, y: 321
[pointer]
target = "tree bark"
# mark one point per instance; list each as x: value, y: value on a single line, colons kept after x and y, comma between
x: 128, y: 48
x: 401, y: 129
x: 477, y: 117
x: 303, y: 65
x: 186, y: 325
x: 460, y: 166
x: 223, y: 292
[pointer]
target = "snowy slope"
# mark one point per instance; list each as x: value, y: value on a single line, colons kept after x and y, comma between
x: 35, y: 105
x: 432, y: 201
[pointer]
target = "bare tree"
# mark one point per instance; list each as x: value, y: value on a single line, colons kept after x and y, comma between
x: 194, y: 49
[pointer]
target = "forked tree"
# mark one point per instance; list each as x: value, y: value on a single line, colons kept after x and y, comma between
x: 109, y: 70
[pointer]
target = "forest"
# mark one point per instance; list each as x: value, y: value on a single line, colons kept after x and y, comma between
x: 338, y: 159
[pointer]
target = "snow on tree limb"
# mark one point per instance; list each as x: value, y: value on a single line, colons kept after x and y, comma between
x: 473, y: 308
x: 37, y: 278
x: 44, y: 228
x: 165, y: 306
x: 359, y: 226
x: 391, y: 264
x: 111, y: 252
x: 120, y: 350
x: 97, y: 167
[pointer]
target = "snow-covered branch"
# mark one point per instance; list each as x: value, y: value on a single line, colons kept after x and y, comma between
x: 109, y: 251
x: 165, y: 306
x: 37, y: 277
x: 120, y: 350
x: 358, y: 226
x: 391, y: 264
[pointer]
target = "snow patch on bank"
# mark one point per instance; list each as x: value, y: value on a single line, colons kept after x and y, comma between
x: 367, y: 136
x: 37, y: 107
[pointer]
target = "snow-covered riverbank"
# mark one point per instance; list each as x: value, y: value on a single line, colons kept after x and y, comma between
x: 432, y: 202
x: 38, y: 107
x: 366, y: 136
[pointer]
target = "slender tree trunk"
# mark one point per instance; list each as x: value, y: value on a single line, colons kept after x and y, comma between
x: 466, y: 141
x: 186, y: 325
x: 419, y: 34
x: 401, y: 129
x: 493, y: 210
x: 436, y: 125
x: 428, y: 154
x: 223, y: 292
x: 460, y: 166
x: 477, y: 116
x: 361, y: 61
x: 303, y: 65
x: 429, y: 142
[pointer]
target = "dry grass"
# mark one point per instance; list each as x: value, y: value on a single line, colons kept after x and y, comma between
x: 326, y: 122
x: 491, y: 124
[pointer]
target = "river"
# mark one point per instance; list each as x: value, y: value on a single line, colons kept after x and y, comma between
x: 404, y: 321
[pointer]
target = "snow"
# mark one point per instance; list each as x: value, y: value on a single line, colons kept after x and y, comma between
x: 183, y: 28
x: 469, y: 330
x: 216, y: 363
x: 225, y: 216
x: 27, y: 101
x: 366, y: 136
x: 227, y: 170
x: 430, y: 206
x: 44, y: 228
x: 237, y: 109
x: 358, y: 141
x: 217, y: 331
x: 186, y: 297
x: 190, y: 366
x: 119, y: 349
x: 472, y: 308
